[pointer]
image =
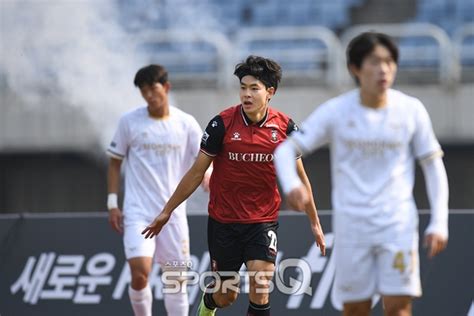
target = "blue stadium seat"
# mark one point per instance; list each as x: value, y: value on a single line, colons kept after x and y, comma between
x: 240, y: 13
x: 448, y: 14
x: 418, y: 52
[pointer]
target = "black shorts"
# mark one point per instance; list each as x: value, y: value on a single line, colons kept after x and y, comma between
x: 231, y: 245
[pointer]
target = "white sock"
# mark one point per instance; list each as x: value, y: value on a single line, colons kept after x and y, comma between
x: 141, y: 300
x: 177, y: 304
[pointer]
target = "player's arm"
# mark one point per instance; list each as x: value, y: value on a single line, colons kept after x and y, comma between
x: 436, y: 181
x: 310, y: 208
x: 285, y: 161
x: 113, y: 183
x: 297, y: 188
x: 185, y: 188
x: 315, y: 132
x: 207, y: 178
x: 194, y: 140
x: 428, y: 151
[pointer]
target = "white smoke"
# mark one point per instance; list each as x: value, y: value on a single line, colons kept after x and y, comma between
x: 74, y: 49
x: 82, y: 52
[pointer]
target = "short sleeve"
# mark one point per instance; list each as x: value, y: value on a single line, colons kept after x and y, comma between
x: 315, y: 130
x: 118, y: 147
x: 292, y: 127
x: 424, y: 142
x: 211, y: 141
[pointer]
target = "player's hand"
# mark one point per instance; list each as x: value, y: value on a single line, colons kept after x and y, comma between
x: 298, y: 198
x: 435, y: 244
x: 156, y: 226
x: 319, y: 236
x: 116, y: 220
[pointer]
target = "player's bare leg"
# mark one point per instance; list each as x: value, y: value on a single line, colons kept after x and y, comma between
x: 140, y: 293
x: 357, y: 308
x: 259, y: 294
x: 397, y: 305
x: 222, y: 297
x: 225, y: 299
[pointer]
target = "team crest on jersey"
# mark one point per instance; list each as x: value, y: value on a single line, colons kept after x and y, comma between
x: 274, y: 137
x: 236, y: 136
x: 205, y: 137
x: 214, y: 124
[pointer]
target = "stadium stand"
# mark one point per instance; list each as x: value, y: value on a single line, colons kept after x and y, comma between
x: 301, y: 56
x: 448, y: 14
x: 201, y: 41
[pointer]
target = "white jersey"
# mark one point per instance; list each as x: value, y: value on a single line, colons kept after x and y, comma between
x: 158, y: 153
x: 373, y: 153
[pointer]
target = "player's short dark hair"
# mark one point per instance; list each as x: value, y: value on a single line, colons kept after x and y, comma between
x: 264, y: 69
x: 151, y: 74
x: 362, y: 45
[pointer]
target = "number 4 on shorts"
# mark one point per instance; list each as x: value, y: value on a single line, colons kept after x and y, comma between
x: 399, y: 262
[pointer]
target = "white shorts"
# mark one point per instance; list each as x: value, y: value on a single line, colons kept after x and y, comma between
x: 378, y: 261
x: 171, y: 246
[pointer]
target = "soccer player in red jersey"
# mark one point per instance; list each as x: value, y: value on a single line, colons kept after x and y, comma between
x: 244, y: 199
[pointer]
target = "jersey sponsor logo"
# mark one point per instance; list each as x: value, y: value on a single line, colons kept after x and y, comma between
x: 346, y: 288
x: 274, y: 138
x: 236, y: 136
x: 372, y: 147
x: 161, y: 149
x: 250, y: 157
x: 204, y: 138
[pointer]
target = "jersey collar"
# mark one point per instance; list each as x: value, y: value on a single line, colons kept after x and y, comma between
x: 248, y: 122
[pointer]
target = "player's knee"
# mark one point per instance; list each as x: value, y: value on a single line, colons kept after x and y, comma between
x: 398, y: 306
x: 139, y: 280
x: 231, y: 297
x: 226, y: 299
x: 260, y: 284
x: 357, y: 309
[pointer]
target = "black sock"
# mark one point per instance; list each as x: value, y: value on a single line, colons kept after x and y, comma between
x: 209, y: 301
x: 258, y: 310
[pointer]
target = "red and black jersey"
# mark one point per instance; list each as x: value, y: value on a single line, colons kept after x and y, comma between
x: 243, y: 185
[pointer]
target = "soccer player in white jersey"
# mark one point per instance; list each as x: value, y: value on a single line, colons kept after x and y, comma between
x: 159, y: 144
x: 375, y: 134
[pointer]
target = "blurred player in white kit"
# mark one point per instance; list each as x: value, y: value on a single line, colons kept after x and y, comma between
x: 375, y: 134
x: 159, y: 144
